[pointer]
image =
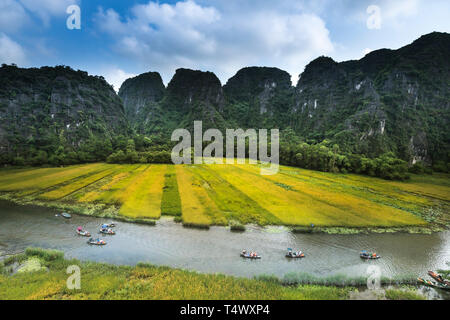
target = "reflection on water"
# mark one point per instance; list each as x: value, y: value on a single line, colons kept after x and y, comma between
x: 217, y: 249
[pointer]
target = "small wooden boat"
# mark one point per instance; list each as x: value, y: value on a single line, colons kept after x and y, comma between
x: 432, y: 284
x: 295, y: 255
x: 246, y: 255
x: 438, y: 278
x: 108, y: 225
x: 424, y: 282
x: 97, y: 242
x: 66, y: 215
x: 107, y: 231
x: 369, y: 255
x: 83, y: 233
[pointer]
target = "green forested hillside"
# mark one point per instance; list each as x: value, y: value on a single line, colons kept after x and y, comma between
x: 57, y: 115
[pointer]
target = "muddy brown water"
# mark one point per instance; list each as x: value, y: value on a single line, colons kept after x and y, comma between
x: 217, y: 250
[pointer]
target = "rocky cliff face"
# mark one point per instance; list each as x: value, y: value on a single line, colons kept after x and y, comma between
x: 140, y: 96
x: 50, y: 107
x: 391, y: 100
x: 190, y: 95
x: 258, y: 96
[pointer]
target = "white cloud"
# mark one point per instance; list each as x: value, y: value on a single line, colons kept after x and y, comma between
x: 116, y: 77
x: 221, y: 38
x: 400, y: 9
x: 11, y: 51
x: 45, y: 9
x: 16, y: 13
x: 12, y: 15
x: 383, y: 13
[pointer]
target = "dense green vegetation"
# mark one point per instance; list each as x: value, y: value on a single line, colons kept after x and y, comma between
x: 56, y: 115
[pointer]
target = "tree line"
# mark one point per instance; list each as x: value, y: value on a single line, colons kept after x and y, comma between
x: 324, y: 156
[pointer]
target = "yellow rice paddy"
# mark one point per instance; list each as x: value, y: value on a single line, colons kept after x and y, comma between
x: 142, y: 198
x: 220, y: 194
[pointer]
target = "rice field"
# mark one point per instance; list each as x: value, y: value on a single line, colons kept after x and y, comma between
x: 212, y: 194
x: 142, y: 198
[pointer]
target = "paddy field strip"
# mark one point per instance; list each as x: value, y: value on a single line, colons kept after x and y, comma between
x: 415, y: 196
x: 170, y: 202
x: 142, y: 198
x: 232, y: 203
x: 197, y: 207
x: 113, y: 194
x: 292, y: 208
x: 103, y: 190
x: 35, y: 183
x: 213, y: 194
x: 347, y: 209
x: 67, y: 189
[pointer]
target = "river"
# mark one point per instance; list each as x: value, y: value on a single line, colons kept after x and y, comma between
x: 217, y: 249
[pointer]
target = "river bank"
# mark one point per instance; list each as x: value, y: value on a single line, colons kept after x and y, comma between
x: 42, y: 274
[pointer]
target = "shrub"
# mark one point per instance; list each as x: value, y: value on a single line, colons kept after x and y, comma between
x: 48, y: 255
x: 417, y: 168
x: 195, y: 225
x: 235, y: 226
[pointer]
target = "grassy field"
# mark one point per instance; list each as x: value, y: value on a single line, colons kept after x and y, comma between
x: 206, y: 195
x: 42, y: 275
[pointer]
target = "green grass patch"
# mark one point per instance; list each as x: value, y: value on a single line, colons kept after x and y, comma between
x: 403, y: 294
x: 171, y: 204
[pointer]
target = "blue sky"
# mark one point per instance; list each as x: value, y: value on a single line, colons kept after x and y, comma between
x: 120, y: 39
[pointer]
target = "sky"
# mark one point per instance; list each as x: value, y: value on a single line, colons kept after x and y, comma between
x: 121, y: 39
